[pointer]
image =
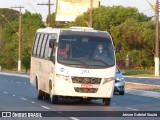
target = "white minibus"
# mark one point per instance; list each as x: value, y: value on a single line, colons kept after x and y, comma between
x: 76, y: 62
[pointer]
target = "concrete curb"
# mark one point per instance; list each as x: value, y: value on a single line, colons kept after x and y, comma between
x: 152, y: 85
x: 15, y: 74
x: 143, y: 93
x: 140, y: 77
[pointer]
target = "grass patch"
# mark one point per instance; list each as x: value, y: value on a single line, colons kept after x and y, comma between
x: 146, y: 73
x: 134, y: 72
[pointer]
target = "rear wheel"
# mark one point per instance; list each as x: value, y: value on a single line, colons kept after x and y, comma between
x: 121, y: 92
x: 46, y: 96
x: 39, y: 94
x: 106, y: 101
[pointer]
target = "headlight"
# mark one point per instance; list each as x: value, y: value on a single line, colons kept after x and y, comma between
x: 108, y: 80
x: 63, y: 77
x: 119, y: 79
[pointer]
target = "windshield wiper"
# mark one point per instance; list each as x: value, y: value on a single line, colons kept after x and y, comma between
x: 100, y: 61
x: 71, y: 59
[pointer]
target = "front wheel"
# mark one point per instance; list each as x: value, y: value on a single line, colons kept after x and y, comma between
x: 121, y: 92
x: 53, y: 99
x: 106, y: 101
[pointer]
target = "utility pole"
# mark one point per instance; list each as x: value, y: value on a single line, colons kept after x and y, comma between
x: 91, y: 13
x: 156, y: 56
x: 49, y: 11
x: 157, y: 40
x: 20, y: 37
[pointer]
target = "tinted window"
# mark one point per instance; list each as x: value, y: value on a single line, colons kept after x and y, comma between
x: 86, y: 50
x: 43, y: 44
x: 39, y: 44
x: 48, y: 50
x: 35, y: 43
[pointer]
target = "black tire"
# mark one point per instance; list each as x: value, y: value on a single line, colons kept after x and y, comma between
x: 106, y: 101
x: 40, y: 94
x: 46, y: 96
x: 54, y: 99
x: 121, y: 92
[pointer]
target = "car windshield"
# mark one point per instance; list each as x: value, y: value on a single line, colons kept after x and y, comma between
x: 85, y: 50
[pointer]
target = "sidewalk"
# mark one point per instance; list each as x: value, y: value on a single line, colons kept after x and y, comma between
x: 14, y: 74
x: 143, y: 93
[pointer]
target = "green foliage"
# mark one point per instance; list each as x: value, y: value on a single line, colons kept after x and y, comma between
x: 54, y: 23
x: 10, y: 14
x: 134, y: 30
x: 9, y: 53
x: 26, y: 58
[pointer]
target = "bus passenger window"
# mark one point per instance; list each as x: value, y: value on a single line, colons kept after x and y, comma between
x: 43, y: 45
x: 39, y: 45
x: 35, y: 43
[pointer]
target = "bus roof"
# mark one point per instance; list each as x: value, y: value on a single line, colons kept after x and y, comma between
x: 73, y: 30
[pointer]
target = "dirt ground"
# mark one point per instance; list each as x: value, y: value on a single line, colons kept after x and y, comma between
x: 143, y: 86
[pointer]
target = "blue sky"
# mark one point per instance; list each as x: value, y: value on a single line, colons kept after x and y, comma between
x: 31, y: 5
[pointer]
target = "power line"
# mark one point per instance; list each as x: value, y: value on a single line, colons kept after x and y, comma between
x: 149, y: 9
x: 49, y: 10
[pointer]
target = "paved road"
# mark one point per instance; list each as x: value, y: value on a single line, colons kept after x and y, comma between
x: 16, y: 94
x: 153, y: 81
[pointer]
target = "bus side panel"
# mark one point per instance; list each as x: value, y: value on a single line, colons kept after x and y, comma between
x: 49, y: 76
x: 32, y: 74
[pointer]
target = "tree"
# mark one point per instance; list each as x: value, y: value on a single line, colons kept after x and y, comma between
x: 30, y: 23
x: 134, y: 30
x: 104, y: 18
x: 137, y: 36
x: 10, y: 14
x: 54, y: 23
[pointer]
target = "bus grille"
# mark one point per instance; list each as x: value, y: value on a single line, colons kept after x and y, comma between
x: 86, y: 80
x: 86, y: 90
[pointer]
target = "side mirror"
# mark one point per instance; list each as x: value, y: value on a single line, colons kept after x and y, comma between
x: 118, y: 47
x: 52, y: 42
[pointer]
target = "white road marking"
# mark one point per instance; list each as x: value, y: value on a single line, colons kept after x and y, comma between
x: 13, y: 95
x: 18, y: 82
x: 45, y: 107
x: 147, y: 81
x: 131, y: 108
x: 73, y: 118
x: 24, y: 83
x: 5, y: 92
x: 33, y: 102
x: 23, y: 99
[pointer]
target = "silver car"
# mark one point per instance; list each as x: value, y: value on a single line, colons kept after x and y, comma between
x: 119, y: 82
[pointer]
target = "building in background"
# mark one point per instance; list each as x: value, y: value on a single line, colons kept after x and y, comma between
x: 68, y: 10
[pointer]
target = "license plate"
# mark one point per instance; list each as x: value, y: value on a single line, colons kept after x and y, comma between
x: 86, y: 86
